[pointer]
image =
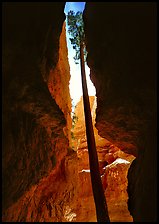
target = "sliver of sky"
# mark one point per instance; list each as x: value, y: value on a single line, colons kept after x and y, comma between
x: 75, y: 70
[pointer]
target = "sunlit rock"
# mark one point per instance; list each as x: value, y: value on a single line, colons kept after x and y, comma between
x: 113, y: 166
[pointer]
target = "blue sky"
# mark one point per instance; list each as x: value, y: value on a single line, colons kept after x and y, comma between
x: 75, y: 6
x: 75, y: 81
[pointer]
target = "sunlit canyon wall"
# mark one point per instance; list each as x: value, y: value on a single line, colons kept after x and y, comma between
x: 113, y: 166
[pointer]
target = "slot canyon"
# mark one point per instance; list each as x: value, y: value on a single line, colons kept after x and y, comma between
x: 45, y: 168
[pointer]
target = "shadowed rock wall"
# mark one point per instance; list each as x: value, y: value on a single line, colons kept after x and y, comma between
x: 35, y: 145
x: 121, y: 45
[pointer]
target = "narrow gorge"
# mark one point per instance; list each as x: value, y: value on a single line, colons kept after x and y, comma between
x: 45, y: 170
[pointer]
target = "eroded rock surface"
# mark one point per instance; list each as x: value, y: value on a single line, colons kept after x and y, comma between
x: 58, y: 82
x: 121, y: 44
x: 39, y: 175
x: 113, y: 164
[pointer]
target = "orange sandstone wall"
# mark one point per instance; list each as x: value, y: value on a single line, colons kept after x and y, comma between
x: 38, y: 174
x: 113, y: 165
x: 58, y: 82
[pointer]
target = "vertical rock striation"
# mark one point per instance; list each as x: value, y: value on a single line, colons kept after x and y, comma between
x: 58, y: 82
x: 121, y: 45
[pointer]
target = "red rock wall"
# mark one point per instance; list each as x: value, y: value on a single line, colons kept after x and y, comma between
x: 121, y: 44
x: 38, y: 174
x: 58, y: 82
x: 113, y: 166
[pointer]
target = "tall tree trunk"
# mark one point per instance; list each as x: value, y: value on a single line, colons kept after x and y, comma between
x: 98, y: 192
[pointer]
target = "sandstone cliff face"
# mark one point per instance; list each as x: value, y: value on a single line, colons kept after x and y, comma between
x: 121, y: 45
x: 38, y: 174
x: 113, y: 164
x: 58, y: 83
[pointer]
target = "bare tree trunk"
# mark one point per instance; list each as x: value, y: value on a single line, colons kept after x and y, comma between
x: 98, y: 191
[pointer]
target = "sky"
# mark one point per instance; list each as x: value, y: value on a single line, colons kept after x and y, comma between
x: 75, y: 81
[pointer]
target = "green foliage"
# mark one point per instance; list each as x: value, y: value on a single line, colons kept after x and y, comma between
x: 74, y: 119
x: 76, y: 30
